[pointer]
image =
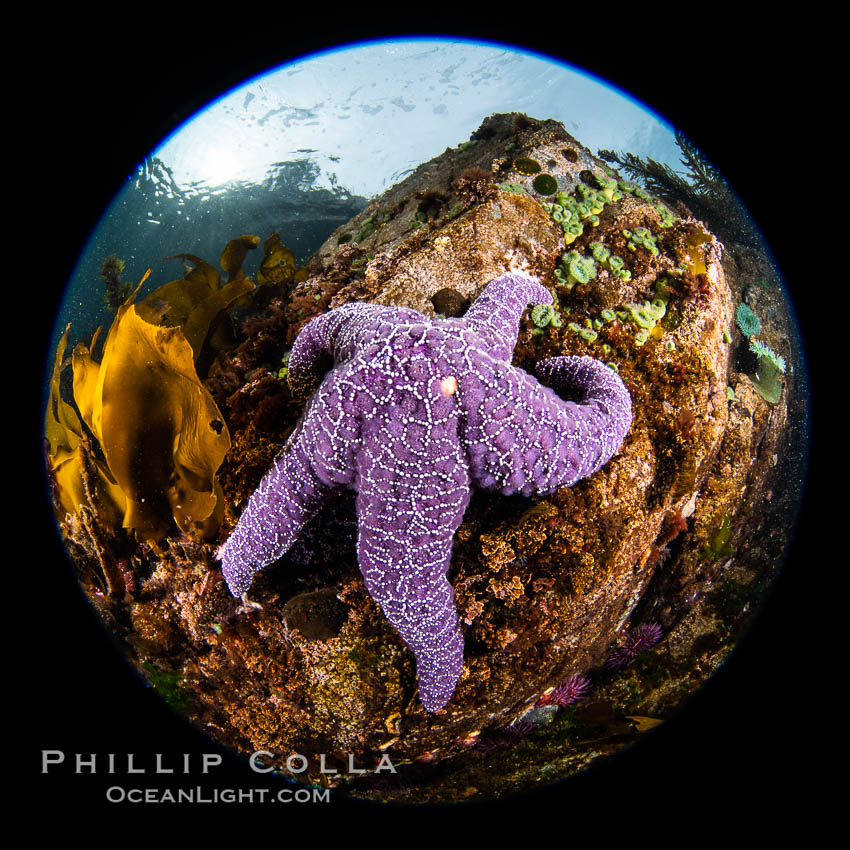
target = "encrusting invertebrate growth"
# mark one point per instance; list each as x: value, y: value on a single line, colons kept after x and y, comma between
x: 413, y: 414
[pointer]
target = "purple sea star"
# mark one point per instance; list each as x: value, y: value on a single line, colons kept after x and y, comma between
x: 411, y: 416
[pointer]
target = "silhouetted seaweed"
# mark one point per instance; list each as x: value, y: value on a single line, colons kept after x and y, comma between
x: 703, y: 190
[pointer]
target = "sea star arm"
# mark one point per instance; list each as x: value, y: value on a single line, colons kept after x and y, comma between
x: 289, y: 495
x: 412, y: 497
x: 523, y: 437
x: 336, y: 336
x: 496, y: 312
x: 599, y: 394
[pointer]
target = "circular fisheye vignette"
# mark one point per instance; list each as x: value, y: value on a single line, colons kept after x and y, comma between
x: 322, y: 615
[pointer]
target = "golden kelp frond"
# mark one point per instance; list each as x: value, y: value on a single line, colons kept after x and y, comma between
x: 278, y: 264
x: 162, y: 438
x: 61, y: 424
x: 160, y: 430
x: 234, y: 255
x: 197, y: 302
x: 202, y: 272
x: 172, y: 302
x: 81, y: 480
x: 86, y: 371
x: 200, y: 320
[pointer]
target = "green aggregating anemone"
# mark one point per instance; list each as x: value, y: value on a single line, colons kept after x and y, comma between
x: 641, y: 237
x: 608, y: 186
x: 748, y: 321
x: 544, y: 315
x: 616, y: 265
x: 284, y: 368
x: 585, y: 333
x: 665, y: 217
x: 647, y: 314
x: 582, y: 208
x: 575, y: 268
x: 541, y: 314
x: 628, y: 188
x: 590, y: 198
x: 573, y: 211
x: 599, y: 251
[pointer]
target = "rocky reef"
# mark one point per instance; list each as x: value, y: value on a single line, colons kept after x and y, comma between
x: 589, y: 614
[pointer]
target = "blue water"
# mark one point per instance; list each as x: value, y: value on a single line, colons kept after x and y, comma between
x: 153, y: 218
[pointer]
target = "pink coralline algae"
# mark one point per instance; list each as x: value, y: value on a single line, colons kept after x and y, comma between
x: 413, y: 414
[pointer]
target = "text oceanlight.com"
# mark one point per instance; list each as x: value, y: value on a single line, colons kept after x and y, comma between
x: 117, y: 794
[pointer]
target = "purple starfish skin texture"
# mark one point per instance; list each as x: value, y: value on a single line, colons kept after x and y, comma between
x: 413, y: 414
